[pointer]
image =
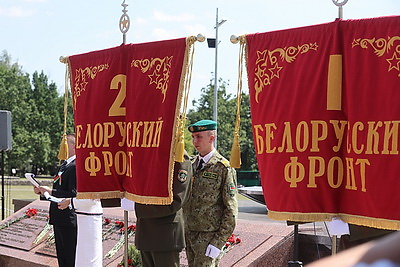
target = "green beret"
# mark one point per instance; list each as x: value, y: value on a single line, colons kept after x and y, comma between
x: 203, y: 125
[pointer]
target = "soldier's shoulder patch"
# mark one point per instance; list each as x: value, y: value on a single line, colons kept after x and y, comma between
x: 232, y: 189
x: 182, y: 176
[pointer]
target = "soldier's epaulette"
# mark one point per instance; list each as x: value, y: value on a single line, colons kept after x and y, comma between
x: 225, y: 162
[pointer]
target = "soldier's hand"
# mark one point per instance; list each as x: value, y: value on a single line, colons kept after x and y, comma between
x: 65, y: 203
x: 36, y: 190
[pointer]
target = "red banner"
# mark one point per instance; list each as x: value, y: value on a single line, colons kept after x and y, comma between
x: 126, y: 104
x: 326, y: 120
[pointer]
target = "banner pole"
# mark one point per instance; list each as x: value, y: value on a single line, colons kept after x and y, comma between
x: 334, y: 244
x: 340, y: 4
x: 124, y: 23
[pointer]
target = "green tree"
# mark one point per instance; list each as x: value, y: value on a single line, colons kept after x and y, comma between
x: 37, y: 117
x: 188, y: 141
x: 14, y: 97
x: 49, y: 109
x: 248, y: 153
x: 203, y: 109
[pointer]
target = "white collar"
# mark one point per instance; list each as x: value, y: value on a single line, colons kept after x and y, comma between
x: 207, y: 157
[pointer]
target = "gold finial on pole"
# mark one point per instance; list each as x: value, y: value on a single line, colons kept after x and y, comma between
x: 340, y: 4
x: 124, y: 22
x: 64, y: 59
x: 200, y: 38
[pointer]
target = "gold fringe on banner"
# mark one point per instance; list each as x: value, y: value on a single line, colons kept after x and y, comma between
x: 300, y: 217
x: 319, y: 217
x: 148, y: 199
x: 371, y: 222
x: 186, y: 78
x: 235, y: 159
x: 63, y: 151
x: 100, y: 195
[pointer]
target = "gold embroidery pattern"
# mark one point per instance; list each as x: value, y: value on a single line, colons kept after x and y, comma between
x: 159, y: 70
x: 382, y: 46
x: 269, y: 63
x: 83, y: 75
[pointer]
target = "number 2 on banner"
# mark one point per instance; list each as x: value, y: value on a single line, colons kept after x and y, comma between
x: 118, y: 82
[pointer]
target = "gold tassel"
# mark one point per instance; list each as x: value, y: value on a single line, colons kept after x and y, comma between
x: 63, y: 152
x: 180, y: 143
x: 235, y: 160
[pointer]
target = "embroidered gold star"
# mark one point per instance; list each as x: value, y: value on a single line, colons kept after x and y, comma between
x: 394, y: 62
x: 275, y: 70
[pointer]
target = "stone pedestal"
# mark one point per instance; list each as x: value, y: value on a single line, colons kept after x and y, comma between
x: 263, y: 242
x: 25, y: 242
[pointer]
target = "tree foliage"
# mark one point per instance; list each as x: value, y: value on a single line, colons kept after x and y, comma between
x: 203, y: 109
x: 37, y: 117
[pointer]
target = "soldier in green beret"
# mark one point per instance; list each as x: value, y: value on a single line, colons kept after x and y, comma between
x: 211, y: 210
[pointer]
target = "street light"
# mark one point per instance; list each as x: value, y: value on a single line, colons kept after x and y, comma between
x: 213, y: 43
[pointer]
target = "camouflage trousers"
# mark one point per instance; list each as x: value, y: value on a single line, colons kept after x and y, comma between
x: 196, y: 245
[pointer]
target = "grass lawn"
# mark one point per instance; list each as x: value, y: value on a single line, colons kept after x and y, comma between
x: 26, y: 192
x: 16, y: 192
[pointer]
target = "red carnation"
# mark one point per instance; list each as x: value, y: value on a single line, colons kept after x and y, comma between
x: 231, y: 239
x: 107, y: 221
x: 119, y: 224
x: 31, y: 212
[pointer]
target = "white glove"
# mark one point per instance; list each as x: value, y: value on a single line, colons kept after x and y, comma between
x: 127, y: 204
x: 212, y: 251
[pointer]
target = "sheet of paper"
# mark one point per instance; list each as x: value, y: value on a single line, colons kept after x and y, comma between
x: 31, y: 179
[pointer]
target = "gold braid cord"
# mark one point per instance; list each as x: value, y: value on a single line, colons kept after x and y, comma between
x: 63, y: 152
x: 186, y: 78
x: 235, y: 160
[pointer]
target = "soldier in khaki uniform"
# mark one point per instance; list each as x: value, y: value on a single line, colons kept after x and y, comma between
x: 160, y: 228
x: 211, y: 210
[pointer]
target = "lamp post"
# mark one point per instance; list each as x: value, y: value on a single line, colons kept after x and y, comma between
x: 215, y: 110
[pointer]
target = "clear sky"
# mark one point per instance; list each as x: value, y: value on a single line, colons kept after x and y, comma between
x: 37, y: 32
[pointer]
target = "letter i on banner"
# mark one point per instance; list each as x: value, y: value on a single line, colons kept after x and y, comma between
x: 334, y: 89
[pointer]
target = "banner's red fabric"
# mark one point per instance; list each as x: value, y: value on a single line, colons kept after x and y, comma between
x: 126, y: 101
x: 326, y: 120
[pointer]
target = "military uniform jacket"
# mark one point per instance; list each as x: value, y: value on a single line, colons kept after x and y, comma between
x: 161, y: 227
x: 64, y: 186
x: 212, y: 204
